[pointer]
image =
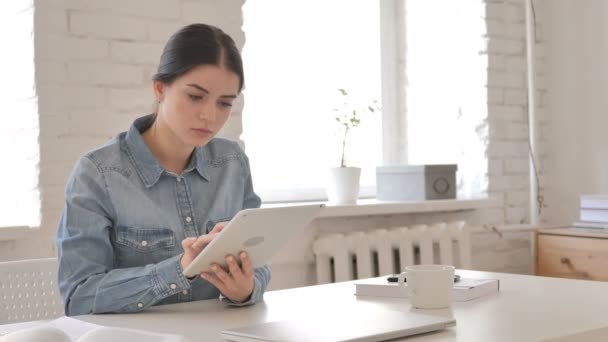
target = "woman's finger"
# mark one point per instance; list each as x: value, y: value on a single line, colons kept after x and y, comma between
x: 213, y: 280
x: 187, y: 242
x: 203, y: 240
x: 222, y: 275
x: 218, y: 227
x: 233, y: 266
x: 246, y: 265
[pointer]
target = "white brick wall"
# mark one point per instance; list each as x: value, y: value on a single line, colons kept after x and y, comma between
x: 508, y: 99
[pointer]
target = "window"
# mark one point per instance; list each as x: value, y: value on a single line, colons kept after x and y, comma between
x: 295, y: 62
x: 434, y: 74
x: 446, y: 95
x: 20, y: 200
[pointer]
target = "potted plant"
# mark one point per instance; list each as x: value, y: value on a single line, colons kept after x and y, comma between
x: 343, y: 186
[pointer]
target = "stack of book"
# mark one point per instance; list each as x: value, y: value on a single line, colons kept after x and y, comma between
x: 464, y: 290
x: 593, y: 212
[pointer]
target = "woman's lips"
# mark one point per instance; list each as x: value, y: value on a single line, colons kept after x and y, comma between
x: 202, y: 131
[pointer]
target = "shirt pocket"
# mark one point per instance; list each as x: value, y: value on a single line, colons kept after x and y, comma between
x: 143, y: 246
x: 211, y: 223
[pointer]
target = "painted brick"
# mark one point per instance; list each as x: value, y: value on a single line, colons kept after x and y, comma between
x: 61, y: 97
x: 506, y: 113
x: 50, y: 19
x: 54, y: 125
x: 136, y: 52
x: 62, y: 48
x: 516, y: 63
x: 104, y: 74
x: 518, y: 131
x: 495, y: 95
x: 495, y: 167
x: 519, y: 165
x: 160, y: 31
x: 139, y: 98
x: 107, y: 26
x: 60, y: 4
x: 216, y: 12
x: 106, y: 124
x: 507, y: 149
x: 496, y: 62
x: 55, y: 173
x: 506, y: 46
x: 495, y: 28
x: 50, y: 72
x: 515, y: 96
x: 166, y: 9
x: 517, y: 198
x: 515, y: 13
x: 505, y: 79
x: 68, y: 149
x: 516, y: 215
x: 495, y: 11
x: 515, y: 30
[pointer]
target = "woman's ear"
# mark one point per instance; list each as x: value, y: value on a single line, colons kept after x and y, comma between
x: 159, y: 90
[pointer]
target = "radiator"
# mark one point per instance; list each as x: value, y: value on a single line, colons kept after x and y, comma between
x: 358, y: 255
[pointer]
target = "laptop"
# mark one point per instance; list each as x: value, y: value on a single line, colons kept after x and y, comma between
x: 370, y: 327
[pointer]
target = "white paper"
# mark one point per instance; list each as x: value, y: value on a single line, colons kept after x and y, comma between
x: 79, y: 331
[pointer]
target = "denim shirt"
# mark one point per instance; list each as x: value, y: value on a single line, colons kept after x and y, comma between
x: 119, y: 237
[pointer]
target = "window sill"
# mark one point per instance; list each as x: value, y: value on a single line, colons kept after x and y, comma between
x: 14, y: 233
x: 368, y: 207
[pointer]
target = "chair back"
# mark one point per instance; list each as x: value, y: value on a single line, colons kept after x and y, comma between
x: 28, y: 290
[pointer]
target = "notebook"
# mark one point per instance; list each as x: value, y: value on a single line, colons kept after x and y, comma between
x: 464, y: 290
x: 363, y: 327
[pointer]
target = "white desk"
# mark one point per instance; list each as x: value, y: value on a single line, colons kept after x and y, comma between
x: 527, y: 308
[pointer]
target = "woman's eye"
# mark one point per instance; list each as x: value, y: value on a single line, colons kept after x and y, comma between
x: 226, y: 104
x: 195, y: 97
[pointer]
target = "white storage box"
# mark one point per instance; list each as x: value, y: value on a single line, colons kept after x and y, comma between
x: 415, y: 182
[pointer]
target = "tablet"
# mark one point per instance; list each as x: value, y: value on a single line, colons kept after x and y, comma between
x: 261, y: 232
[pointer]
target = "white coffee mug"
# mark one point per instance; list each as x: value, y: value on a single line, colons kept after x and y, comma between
x: 428, y: 286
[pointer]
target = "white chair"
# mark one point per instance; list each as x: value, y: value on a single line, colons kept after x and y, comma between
x: 28, y: 290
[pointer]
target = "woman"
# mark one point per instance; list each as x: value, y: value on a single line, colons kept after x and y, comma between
x: 165, y: 180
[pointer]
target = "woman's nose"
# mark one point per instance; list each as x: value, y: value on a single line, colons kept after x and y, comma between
x: 208, y: 112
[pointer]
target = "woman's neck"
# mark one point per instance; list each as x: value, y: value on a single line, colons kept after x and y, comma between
x: 170, y: 152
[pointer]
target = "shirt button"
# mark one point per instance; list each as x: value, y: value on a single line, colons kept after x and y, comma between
x: 144, y: 243
x: 179, y: 179
x: 185, y: 292
x: 188, y: 219
x: 173, y: 286
x: 140, y: 305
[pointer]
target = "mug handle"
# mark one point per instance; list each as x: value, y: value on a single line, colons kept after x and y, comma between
x: 401, y: 279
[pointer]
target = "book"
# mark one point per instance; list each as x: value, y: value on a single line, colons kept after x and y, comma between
x: 594, y: 201
x: 464, y: 290
x: 594, y: 215
x: 590, y: 225
x: 67, y: 329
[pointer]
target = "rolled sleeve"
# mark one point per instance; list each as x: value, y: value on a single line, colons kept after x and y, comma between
x: 260, y: 283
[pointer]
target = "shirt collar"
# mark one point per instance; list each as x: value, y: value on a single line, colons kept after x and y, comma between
x: 146, y: 164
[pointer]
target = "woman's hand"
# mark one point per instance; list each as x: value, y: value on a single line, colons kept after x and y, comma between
x: 193, y: 246
x: 236, y: 285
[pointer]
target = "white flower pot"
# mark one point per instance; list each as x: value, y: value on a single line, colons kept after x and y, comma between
x: 343, y: 185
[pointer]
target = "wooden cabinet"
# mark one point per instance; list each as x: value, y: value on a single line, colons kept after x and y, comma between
x: 572, y: 253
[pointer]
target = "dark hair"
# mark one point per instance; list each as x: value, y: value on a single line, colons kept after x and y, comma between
x: 198, y: 44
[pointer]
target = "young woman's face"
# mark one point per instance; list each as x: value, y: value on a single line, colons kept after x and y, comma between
x: 196, y: 105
